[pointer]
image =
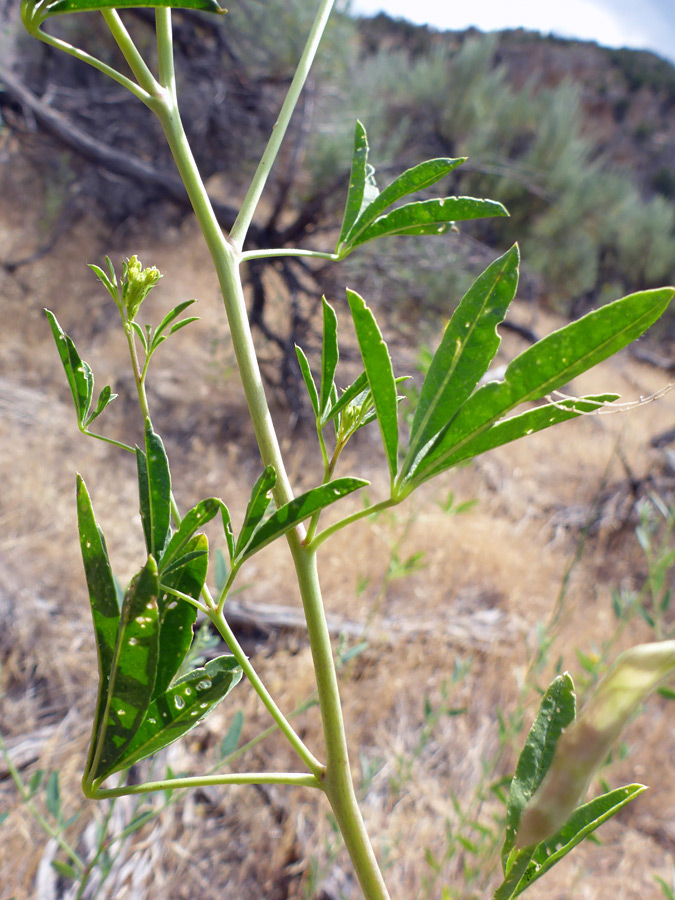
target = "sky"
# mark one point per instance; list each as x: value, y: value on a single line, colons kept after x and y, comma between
x: 643, y: 24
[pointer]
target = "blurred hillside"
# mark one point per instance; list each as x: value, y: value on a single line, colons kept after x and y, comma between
x: 578, y: 141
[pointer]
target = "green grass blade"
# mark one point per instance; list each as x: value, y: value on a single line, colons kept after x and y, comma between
x: 469, y: 345
x: 412, y: 180
x: 547, y: 366
x: 377, y: 364
x: 79, y: 374
x: 357, y: 181
x: 308, y: 379
x: 132, y: 672
x: 105, y: 608
x: 181, y: 707
x: 297, y: 510
x: 258, y: 506
x: 556, y: 711
x: 176, y: 616
x: 583, y: 822
x: 191, y: 522
x: 73, y: 6
x: 428, y: 217
x: 522, y: 425
x: 329, y: 356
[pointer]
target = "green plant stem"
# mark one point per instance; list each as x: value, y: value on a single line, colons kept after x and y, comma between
x: 100, y: 437
x: 139, y: 374
x: 248, y: 208
x: 337, y: 779
x: 297, y: 779
x: 354, y: 517
x: 133, y: 58
x: 268, y: 254
x: 223, y: 626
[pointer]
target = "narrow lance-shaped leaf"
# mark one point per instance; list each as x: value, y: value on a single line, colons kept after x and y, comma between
x: 181, y: 707
x: 132, y: 673
x: 533, y: 862
x: 547, y: 366
x: 349, y: 394
x: 556, y: 711
x: 297, y: 510
x: 329, y: 356
x: 377, y: 364
x: 409, y: 182
x: 522, y: 425
x: 258, y: 505
x: 105, y: 398
x: 427, y: 217
x: 357, y: 181
x: 105, y: 609
x: 79, y: 374
x: 308, y: 379
x: 469, y: 345
x: 154, y: 488
x: 177, y: 616
x: 191, y: 522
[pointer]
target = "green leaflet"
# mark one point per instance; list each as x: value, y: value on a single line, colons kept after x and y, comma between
x: 427, y: 217
x: 80, y: 376
x: 105, y: 609
x: 349, y: 394
x: 258, y: 505
x: 329, y: 356
x: 533, y: 862
x: 556, y: 711
x: 154, y: 490
x: 131, y: 675
x: 177, y: 616
x: 358, y: 179
x: 296, y: 511
x: 467, y: 348
x: 545, y: 367
x: 307, y: 378
x: 377, y: 364
x: 412, y: 180
x: 180, y: 708
x: 191, y: 522
x: 514, y: 427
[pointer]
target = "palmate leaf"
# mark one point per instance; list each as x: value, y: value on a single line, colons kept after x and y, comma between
x: 80, y: 376
x: 427, y: 217
x: 296, y: 511
x: 130, y: 681
x: 467, y: 348
x: 105, y: 609
x: 177, y: 710
x: 379, y: 372
x: 541, y: 369
x: 412, y: 180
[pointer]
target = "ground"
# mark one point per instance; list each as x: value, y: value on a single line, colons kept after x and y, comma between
x: 499, y: 599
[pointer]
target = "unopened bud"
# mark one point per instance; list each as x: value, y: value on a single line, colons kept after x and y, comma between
x: 137, y: 284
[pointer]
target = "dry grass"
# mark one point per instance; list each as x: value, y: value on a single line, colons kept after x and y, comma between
x: 489, y: 579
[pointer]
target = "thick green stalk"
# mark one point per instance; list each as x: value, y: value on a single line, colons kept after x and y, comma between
x: 337, y: 778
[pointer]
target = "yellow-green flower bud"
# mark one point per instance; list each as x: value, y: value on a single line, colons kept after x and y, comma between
x: 137, y: 284
x: 587, y: 742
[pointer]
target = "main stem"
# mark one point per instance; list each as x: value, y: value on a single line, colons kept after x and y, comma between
x: 337, y: 781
